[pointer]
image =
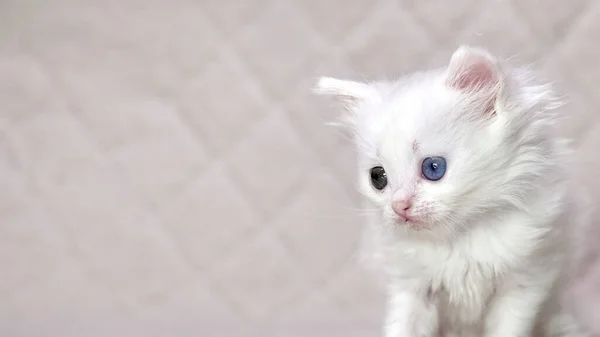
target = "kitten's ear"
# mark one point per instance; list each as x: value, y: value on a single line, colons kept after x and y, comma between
x: 349, y: 92
x: 474, y: 70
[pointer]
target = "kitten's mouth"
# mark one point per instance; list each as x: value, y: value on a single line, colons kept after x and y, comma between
x: 411, y: 222
x: 404, y: 220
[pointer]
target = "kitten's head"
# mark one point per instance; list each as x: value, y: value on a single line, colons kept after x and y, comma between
x: 438, y: 149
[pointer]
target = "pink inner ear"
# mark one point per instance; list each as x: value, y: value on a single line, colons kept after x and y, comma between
x: 474, y: 76
x: 475, y: 73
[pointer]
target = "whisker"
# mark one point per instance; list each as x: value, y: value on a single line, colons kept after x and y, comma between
x: 357, y: 209
x: 342, y: 217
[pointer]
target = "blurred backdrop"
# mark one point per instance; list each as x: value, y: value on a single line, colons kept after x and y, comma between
x: 165, y: 170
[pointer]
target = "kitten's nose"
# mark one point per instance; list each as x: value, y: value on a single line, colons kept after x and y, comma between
x: 401, y: 207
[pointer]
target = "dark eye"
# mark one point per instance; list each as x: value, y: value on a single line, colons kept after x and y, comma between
x: 378, y: 177
x: 433, y: 168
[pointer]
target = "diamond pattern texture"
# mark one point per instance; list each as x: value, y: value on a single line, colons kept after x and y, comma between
x: 166, y: 171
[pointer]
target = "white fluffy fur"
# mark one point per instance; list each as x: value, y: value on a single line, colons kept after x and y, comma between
x: 489, y: 259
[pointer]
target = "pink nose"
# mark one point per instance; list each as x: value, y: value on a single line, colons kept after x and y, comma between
x: 401, y: 207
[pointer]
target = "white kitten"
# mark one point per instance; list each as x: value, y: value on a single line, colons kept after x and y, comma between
x: 469, y: 183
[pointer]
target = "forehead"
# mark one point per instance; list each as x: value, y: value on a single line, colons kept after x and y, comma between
x: 421, y: 115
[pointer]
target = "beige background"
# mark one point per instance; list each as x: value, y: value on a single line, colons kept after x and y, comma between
x: 165, y: 171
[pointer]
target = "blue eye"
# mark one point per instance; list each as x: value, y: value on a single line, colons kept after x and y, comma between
x: 433, y: 168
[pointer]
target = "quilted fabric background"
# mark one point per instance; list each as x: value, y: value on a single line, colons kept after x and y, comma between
x: 165, y: 170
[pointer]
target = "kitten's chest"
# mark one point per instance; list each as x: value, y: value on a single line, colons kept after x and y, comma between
x: 461, y: 288
x: 462, y: 308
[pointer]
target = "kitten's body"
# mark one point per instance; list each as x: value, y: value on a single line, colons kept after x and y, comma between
x: 481, y: 252
x: 462, y: 278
